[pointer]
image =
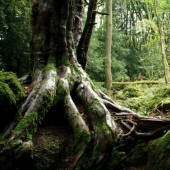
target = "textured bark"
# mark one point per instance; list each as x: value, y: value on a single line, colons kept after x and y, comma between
x: 162, y: 43
x: 108, y: 61
x: 60, y: 88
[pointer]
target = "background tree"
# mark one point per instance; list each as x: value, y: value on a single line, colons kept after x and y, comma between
x: 162, y: 43
x: 108, y: 46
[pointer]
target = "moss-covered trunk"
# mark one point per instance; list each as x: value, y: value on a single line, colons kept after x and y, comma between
x: 63, y: 121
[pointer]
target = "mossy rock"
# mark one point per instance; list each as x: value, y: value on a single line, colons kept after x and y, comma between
x: 7, y: 97
x: 159, y: 153
x: 12, y: 81
x: 11, y: 93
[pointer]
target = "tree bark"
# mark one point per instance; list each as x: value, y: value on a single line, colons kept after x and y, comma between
x: 162, y: 43
x: 108, y: 73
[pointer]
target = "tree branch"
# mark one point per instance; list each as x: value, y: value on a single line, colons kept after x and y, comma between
x: 84, y: 42
x: 101, y: 13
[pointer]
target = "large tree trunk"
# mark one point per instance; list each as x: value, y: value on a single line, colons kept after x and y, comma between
x: 64, y: 118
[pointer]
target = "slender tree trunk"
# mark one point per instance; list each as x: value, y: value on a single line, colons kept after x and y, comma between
x: 162, y: 43
x: 108, y: 72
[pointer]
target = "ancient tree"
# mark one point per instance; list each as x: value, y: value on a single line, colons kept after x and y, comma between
x: 59, y: 90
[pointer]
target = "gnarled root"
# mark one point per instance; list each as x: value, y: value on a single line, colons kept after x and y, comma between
x: 102, y: 125
x: 99, y: 130
x: 31, y: 113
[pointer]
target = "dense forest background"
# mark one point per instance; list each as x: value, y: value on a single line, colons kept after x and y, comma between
x: 136, y: 42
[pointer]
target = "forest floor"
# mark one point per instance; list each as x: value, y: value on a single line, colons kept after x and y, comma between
x: 145, y: 97
x: 52, y: 137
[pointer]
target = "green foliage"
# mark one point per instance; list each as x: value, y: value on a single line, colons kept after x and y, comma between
x: 141, y: 98
x: 95, y: 64
x: 15, y: 32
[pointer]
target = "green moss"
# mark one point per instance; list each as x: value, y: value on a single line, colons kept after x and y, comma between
x: 141, y: 98
x: 81, y: 138
x: 49, y: 67
x: 65, y: 60
x: 62, y: 91
x: 161, y: 96
x: 27, y: 126
x: 115, y: 159
x: 11, y: 80
x: 159, y: 153
x: 98, y: 114
x: 45, y: 103
x: 47, y: 154
x: 138, y: 156
x: 7, y: 97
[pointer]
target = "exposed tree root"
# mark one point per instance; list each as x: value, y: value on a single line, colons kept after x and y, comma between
x: 31, y: 113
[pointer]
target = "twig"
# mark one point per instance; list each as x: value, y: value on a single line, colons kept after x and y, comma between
x: 152, y: 133
x: 101, y: 13
x: 128, y: 127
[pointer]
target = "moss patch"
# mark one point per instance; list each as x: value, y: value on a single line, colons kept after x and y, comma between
x: 138, y: 157
x: 7, y: 97
x: 12, y: 81
x: 27, y: 126
x: 115, y: 160
x: 49, y: 67
x: 11, y: 93
x: 159, y: 153
x: 47, y: 154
